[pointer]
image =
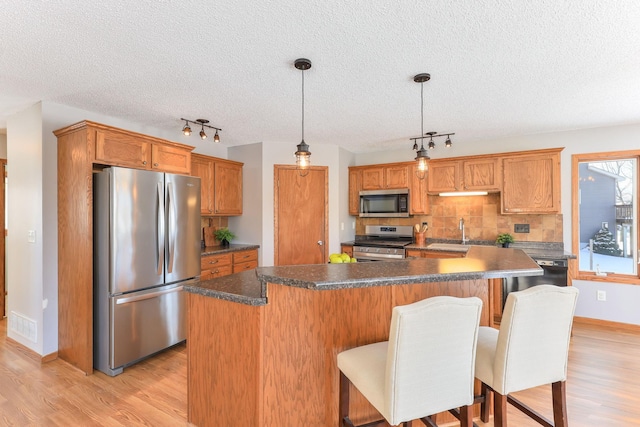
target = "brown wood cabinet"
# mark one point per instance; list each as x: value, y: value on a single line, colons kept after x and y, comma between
x: 355, y: 185
x: 212, y: 266
x: 531, y: 182
x: 245, y: 260
x: 121, y: 148
x: 347, y: 249
x: 418, y: 196
x: 389, y: 176
x: 220, y: 185
x: 464, y: 174
x: 81, y: 147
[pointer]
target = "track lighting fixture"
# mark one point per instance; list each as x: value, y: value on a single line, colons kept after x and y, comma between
x: 303, y: 155
x: 421, y: 155
x: 186, y: 130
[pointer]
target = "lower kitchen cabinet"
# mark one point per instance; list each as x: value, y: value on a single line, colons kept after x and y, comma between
x: 212, y: 266
x: 433, y: 254
x: 245, y: 260
x: 347, y: 249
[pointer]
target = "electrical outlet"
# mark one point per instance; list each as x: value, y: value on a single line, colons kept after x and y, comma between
x: 601, y: 295
x: 520, y: 228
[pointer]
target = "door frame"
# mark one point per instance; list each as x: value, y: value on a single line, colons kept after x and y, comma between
x: 3, y: 237
x: 276, y: 202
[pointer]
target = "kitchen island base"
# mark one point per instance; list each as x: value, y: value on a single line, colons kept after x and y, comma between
x: 275, y: 365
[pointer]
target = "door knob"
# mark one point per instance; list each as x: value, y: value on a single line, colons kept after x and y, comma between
x: 320, y: 243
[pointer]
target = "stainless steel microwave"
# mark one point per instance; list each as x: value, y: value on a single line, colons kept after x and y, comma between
x: 384, y: 203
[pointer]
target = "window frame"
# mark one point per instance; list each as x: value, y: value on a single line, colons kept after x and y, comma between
x: 576, y: 159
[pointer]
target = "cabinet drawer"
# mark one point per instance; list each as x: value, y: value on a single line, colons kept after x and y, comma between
x: 211, y: 262
x: 223, y: 270
x: 243, y: 266
x: 244, y: 256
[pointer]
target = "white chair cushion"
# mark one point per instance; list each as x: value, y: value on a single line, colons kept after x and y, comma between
x: 365, y: 367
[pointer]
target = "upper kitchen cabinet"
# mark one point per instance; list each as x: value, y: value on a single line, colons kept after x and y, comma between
x: 116, y: 147
x: 202, y: 167
x: 465, y: 174
x: 355, y: 185
x: 385, y: 177
x: 227, y: 178
x: 531, y: 182
x: 220, y: 185
x: 418, y: 197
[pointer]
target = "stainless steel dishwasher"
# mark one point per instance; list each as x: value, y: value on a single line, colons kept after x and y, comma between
x: 555, y: 273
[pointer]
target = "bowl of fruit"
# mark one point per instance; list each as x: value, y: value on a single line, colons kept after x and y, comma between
x: 342, y: 258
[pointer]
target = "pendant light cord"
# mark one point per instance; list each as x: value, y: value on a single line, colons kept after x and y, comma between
x: 302, y: 105
x: 422, y: 114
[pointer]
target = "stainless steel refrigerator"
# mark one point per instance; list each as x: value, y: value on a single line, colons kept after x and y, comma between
x: 146, y: 247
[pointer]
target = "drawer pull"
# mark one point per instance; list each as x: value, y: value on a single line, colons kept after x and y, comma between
x: 213, y: 262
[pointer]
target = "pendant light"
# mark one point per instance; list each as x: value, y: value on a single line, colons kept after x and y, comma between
x: 422, y: 158
x: 303, y: 155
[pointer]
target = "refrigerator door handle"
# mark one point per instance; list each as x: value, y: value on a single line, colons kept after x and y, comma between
x: 171, y: 226
x: 160, y: 230
x: 126, y: 300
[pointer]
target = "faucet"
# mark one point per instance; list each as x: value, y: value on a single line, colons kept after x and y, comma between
x: 461, y: 227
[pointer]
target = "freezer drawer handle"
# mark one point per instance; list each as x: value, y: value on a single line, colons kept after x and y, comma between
x: 148, y: 296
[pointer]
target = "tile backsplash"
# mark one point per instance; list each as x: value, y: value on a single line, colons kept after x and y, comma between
x: 483, y: 220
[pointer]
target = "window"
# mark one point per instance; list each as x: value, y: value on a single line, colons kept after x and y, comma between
x: 605, y: 214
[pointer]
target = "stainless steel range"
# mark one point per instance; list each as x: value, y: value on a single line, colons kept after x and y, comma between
x: 382, y: 242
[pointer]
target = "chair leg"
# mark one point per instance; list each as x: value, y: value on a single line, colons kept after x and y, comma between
x: 466, y: 416
x: 499, y: 410
x: 558, y: 390
x: 485, y: 406
x: 344, y: 402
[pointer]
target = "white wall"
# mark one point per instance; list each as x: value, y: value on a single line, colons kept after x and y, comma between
x: 614, y: 138
x: 248, y: 227
x: 24, y: 259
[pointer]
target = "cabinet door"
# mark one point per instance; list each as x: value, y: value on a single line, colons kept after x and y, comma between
x: 168, y: 158
x: 227, y: 188
x: 531, y: 184
x: 481, y: 174
x: 373, y: 178
x: 418, y: 197
x: 113, y: 148
x: 355, y: 185
x: 396, y: 177
x: 443, y: 176
x: 347, y: 249
x: 202, y: 167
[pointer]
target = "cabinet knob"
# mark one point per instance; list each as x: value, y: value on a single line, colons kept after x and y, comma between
x: 144, y: 162
x: 213, y: 262
x: 155, y: 164
x: 216, y: 272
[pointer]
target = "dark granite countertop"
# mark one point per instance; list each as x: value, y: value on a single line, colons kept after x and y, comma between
x: 481, y: 262
x: 233, y: 247
x: 243, y: 287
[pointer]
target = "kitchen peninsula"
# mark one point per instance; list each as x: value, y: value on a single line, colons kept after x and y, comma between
x: 262, y: 345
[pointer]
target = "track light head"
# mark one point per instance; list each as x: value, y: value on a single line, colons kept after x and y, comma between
x: 216, y: 137
x: 202, y: 134
x: 447, y: 143
x: 186, y: 130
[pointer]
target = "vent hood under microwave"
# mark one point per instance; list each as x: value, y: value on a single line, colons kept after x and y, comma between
x: 384, y: 203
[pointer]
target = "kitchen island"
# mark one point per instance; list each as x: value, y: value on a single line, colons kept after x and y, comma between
x: 262, y: 345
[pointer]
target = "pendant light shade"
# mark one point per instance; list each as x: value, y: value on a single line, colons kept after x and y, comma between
x: 303, y: 155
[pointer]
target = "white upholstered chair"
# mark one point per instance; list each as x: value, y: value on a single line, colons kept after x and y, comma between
x: 530, y: 349
x: 426, y: 367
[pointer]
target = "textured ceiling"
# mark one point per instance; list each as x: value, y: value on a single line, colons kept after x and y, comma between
x: 498, y: 68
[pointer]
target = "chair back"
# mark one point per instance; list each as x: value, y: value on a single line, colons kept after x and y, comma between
x: 533, y: 342
x: 431, y: 357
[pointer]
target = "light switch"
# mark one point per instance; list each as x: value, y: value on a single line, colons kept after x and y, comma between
x: 31, y: 236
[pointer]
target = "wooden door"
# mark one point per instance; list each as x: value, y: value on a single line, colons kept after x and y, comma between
x: 228, y: 188
x: 301, y: 212
x: 355, y: 185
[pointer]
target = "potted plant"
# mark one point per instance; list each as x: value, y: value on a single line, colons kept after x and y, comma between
x: 504, y: 239
x: 224, y: 236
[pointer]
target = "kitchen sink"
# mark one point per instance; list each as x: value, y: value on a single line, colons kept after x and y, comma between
x: 452, y: 247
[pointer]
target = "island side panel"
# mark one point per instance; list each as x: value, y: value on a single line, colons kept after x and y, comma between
x: 224, y: 356
x: 304, y: 331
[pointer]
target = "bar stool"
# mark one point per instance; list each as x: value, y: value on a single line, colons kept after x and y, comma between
x: 530, y: 349
x: 426, y: 367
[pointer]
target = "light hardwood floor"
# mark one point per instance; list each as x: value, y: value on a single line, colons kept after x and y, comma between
x: 603, y: 388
